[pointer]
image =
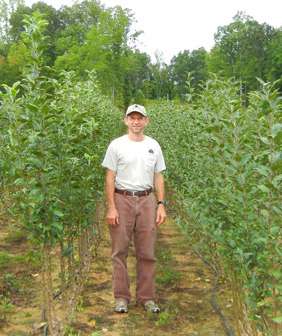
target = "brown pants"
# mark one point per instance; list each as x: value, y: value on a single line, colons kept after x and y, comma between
x: 137, y: 215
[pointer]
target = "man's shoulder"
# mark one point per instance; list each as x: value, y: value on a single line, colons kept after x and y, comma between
x: 119, y: 140
x: 152, y: 141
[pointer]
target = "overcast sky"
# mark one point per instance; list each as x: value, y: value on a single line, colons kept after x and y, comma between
x: 177, y: 25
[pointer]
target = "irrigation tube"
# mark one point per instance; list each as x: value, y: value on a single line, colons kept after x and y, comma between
x: 44, y: 321
x: 217, y: 278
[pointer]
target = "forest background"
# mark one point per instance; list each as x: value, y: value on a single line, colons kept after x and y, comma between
x: 88, y: 36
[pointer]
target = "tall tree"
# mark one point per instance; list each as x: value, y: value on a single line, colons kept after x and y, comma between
x: 56, y: 25
x: 274, y: 58
x: 7, y: 8
x: 242, y: 48
x: 103, y: 46
x: 186, y: 62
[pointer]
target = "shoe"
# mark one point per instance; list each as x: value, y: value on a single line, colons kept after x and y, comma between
x: 150, y: 305
x: 121, y: 307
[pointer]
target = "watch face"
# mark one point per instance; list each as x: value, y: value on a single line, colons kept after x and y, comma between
x: 162, y: 202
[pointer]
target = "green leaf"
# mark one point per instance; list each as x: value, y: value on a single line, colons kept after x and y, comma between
x: 277, y: 210
x: 265, y: 213
x: 274, y: 230
x: 260, y: 241
x: 276, y: 157
x: 19, y: 181
x: 277, y: 319
x: 36, y: 162
x: 277, y: 178
x: 276, y: 129
x: 265, y: 140
x: 57, y: 212
x: 263, y: 171
x: 263, y: 188
x: 245, y: 159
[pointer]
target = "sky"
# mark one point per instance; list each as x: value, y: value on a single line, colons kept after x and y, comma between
x: 170, y: 27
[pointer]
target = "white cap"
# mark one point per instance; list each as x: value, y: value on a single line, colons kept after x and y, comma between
x: 136, y: 108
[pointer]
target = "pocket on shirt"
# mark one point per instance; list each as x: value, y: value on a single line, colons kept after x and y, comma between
x: 151, y: 164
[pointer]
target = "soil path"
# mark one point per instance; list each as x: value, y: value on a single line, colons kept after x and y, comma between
x: 184, y: 285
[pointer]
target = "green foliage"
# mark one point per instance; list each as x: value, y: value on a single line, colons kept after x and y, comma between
x: 241, y: 50
x: 166, y: 275
x: 53, y: 139
x: 189, y: 62
x: 5, y: 307
x: 7, y: 260
x: 55, y: 145
x: 4, y: 260
x: 10, y: 284
x: 224, y: 165
x: 102, y: 46
x: 15, y: 236
x: 165, y: 317
x: 88, y: 35
x: 7, y: 8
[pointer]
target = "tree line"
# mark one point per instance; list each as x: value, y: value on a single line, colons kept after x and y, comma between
x: 89, y: 36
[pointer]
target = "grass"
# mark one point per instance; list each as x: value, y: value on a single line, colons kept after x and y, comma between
x: 4, y: 259
x: 16, y: 236
x: 166, y: 274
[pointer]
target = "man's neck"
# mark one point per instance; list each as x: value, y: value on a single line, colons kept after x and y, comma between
x: 136, y: 137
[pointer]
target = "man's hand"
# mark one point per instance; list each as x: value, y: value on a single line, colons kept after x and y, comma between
x: 113, y: 217
x: 161, y: 215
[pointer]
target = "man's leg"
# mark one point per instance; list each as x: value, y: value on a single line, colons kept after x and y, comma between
x: 145, y: 237
x: 121, y: 236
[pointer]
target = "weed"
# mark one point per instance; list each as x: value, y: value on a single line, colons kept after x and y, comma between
x: 11, y: 284
x: 164, y: 256
x: 71, y: 332
x: 34, y: 256
x: 16, y: 236
x: 167, y: 274
x: 4, y: 259
x: 5, y: 306
x: 165, y: 317
x: 7, y: 260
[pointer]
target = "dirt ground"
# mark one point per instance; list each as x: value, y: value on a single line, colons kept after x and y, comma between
x: 184, y: 284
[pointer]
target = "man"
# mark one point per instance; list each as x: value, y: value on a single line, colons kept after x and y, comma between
x: 134, y: 165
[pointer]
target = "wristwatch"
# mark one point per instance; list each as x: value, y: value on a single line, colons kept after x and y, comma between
x: 162, y: 202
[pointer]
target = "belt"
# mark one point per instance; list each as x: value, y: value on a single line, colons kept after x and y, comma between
x: 134, y: 193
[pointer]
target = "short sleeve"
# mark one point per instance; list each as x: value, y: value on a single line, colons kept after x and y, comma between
x: 110, y: 159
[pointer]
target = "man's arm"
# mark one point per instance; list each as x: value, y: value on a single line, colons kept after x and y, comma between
x: 112, y: 215
x: 160, y: 189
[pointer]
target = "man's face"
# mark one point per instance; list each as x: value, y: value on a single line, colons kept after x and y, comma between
x: 136, y: 122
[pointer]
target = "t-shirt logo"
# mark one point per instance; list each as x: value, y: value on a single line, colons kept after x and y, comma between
x: 151, y: 151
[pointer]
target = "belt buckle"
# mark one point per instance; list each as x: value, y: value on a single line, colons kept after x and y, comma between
x: 133, y: 194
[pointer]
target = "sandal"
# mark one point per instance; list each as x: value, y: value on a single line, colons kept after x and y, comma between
x: 121, y: 307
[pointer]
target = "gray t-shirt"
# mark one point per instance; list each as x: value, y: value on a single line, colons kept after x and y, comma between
x: 135, y: 162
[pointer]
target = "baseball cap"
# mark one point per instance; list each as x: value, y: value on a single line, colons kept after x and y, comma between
x: 136, y: 108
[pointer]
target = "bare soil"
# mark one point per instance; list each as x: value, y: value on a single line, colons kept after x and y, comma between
x: 184, y: 286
